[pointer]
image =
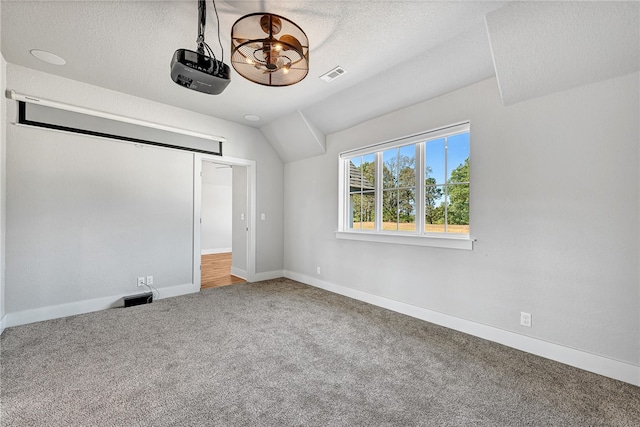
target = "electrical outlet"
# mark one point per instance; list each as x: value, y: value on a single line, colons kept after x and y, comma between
x: 317, y: 270
x: 263, y: 216
x: 149, y: 280
x: 525, y: 319
x: 141, y: 281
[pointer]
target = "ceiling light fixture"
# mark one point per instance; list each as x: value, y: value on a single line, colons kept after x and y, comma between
x: 269, y: 50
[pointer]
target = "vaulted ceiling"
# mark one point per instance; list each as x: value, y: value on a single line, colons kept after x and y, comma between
x: 396, y: 53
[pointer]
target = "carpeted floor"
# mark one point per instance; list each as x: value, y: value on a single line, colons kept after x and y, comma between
x: 278, y: 353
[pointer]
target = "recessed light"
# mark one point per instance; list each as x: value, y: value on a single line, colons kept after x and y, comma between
x: 47, y: 57
x: 252, y: 117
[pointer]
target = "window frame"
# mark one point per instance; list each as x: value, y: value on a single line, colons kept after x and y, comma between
x: 419, y: 237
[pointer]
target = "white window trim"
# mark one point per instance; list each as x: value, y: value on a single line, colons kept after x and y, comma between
x: 450, y: 241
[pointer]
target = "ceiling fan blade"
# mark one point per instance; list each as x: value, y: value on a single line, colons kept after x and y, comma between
x: 270, y: 24
x: 289, y: 40
x: 254, y: 45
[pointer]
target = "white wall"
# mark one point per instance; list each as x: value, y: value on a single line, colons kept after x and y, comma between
x: 3, y: 233
x: 216, y: 208
x: 86, y: 216
x: 240, y: 222
x: 554, y: 207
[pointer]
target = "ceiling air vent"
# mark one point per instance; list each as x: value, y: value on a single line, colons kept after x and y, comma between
x: 333, y: 74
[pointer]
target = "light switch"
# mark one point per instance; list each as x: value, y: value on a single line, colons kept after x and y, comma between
x: 263, y: 216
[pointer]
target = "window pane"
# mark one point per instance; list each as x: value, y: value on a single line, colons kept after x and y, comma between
x: 399, y: 209
x: 368, y: 171
x: 407, y: 209
x: 390, y: 210
x: 434, y: 161
x: 368, y: 210
x: 390, y: 168
x: 434, y: 209
x: 458, y: 158
x: 458, y: 209
x: 407, y: 166
x: 362, y: 171
x: 355, y: 202
x: 355, y: 177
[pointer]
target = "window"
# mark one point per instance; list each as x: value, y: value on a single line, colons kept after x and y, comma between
x: 447, y: 184
x: 399, y: 188
x: 362, y: 178
x: 411, y: 187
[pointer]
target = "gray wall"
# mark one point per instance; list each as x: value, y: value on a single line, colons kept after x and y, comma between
x: 3, y: 163
x: 239, y: 237
x: 216, y: 209
x: 86, y: 216
x: 555, y: 193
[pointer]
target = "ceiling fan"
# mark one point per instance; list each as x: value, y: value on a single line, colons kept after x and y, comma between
x: 269, y: 49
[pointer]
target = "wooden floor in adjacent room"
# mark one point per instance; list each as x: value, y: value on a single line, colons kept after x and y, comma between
x: 216, y: 271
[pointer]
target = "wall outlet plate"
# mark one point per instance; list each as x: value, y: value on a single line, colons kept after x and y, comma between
x: 525, y: 319
x: 141, y: 281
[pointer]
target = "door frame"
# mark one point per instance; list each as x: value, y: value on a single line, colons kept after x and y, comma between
x: 198, y: 158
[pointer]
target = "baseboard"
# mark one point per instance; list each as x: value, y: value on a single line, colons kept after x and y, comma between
x: 215, y: 251
x: 580, y: 359
x: 268, y: 275
x: 176, y: 291
x: 86, y: 306
x: 239, y: 273
x: 3, y: 322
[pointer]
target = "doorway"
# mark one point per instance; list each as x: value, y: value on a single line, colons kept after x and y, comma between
x: 216, y: 213
x: 224, y: 220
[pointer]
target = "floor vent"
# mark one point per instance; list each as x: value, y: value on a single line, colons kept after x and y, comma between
x: 139, y: 299
x: 333, y: 74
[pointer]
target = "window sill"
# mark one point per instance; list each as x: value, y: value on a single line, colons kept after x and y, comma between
x: 449, y: 242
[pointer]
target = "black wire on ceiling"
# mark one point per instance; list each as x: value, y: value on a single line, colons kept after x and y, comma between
x: 218, y: 26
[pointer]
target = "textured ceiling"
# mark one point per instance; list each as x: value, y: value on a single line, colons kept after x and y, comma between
x: 396, y: 53
x: 542, y: 48
x: 457, y: 62
x: 127, y: 45
x: 294, y: 137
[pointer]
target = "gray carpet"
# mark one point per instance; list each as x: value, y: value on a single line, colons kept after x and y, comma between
x: 278, y: 353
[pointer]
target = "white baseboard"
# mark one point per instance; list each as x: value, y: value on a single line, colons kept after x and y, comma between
x: 3, y: 323
x: 268, y: 275
x: 86, y: 306
x: 239, y: 273
x: 580, y: 359
x: 176, y: 291
x: 215, y: 251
